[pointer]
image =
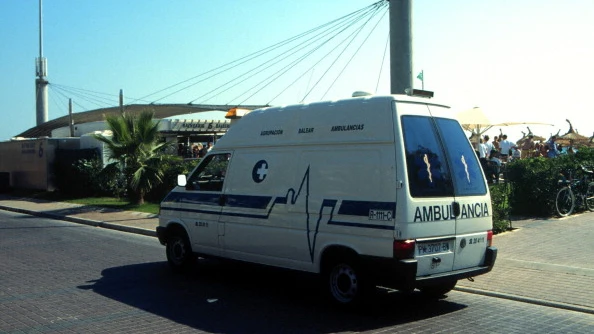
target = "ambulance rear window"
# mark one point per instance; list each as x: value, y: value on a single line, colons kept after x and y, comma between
x: 428, y: 175
x: 462, y: 160
x: 439, y: 159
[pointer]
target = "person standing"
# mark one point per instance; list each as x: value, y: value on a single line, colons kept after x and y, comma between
x: 488, y: 146
x: 496, y: 167
x: 203, y: 151
x: 496, y: 143
x: 528, y: 147
x: 483, y: 154
x: 505, y: 148
x: 553, y: 151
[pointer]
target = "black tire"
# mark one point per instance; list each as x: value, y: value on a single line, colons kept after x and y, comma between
x: 589, y: 199
x: 438, y: 290
x: 345, y: 282
x: 179, y: 251
x: 565, y: 202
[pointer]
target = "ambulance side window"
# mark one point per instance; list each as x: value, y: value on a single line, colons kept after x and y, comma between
x: 428, y: 173
x: 210, y: 175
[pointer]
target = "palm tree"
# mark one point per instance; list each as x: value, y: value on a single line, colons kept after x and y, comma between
x: 135, y: 146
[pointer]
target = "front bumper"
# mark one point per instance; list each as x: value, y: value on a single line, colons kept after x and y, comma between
x: 162, y: 234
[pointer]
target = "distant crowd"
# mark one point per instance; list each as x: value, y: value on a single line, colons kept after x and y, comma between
x: 494, y: 154
x: 196, y: 150
x: 506, y: 150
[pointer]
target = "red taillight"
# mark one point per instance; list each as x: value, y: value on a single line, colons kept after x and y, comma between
x: 489, y: 238
x: 404, y: 249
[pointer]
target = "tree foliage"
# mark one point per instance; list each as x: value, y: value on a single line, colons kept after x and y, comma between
x: 136, y: 146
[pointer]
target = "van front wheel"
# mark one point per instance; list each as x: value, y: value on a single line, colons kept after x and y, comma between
x: 179, y: 251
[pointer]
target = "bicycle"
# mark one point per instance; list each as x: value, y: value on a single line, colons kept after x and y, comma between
x: 575, y: 193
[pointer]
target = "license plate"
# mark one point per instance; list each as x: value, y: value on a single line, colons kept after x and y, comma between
x: 427, y: 248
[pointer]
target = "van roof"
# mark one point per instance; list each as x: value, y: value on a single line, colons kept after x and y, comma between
x: 360, y: 120
x: 394, y: 97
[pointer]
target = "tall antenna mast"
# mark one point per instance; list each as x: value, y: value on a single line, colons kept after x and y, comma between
x: 40, y: 30
x: 400, y: 46
x: 41, y: 72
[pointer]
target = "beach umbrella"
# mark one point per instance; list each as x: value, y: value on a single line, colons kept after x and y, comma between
x: 572, y: 137
x: 475, y: 121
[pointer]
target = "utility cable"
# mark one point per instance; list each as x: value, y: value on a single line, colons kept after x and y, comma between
x: 328, y: 69
x: 54, y: 100
x: 292, y: 65
x: 356, y: 51
x: 66, y: 97
x: 317, y: 38
x: 382, y: 64
x: 85, y: 94
x: 252, y: 56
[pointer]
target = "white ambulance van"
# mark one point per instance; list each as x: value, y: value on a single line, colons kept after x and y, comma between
x: 366, y: 191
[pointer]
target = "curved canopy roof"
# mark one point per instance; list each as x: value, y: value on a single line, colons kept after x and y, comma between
x: 161, y: 111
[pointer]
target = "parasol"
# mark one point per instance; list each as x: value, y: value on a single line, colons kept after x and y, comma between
x: 571, y: 137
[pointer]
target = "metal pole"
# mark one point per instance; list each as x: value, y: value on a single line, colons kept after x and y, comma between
x: 122, y: 101
x: 41, y: 100
x: 40, y: 31
x: 71, y: 118
x: 400, y: 46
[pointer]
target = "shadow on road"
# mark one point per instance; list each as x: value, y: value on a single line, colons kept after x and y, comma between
x: 228, y: 297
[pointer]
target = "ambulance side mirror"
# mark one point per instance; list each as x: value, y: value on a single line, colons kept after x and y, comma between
x: 181, y: 180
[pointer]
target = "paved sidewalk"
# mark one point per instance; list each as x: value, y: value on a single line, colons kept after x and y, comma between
x: 543, y: 261
x: 128, y: 221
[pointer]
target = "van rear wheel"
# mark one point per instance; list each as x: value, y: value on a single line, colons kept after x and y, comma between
x: 179, y: 252
x: 438, y: 290
x: 345, y: 283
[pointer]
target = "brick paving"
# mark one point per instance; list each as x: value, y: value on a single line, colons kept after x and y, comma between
x: 548, y: 261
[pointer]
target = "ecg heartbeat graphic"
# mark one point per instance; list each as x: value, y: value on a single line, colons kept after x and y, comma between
x: 293, y: 196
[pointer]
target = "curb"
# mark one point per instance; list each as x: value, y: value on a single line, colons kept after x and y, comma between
x: 84, y: 221
x: 541, y: 302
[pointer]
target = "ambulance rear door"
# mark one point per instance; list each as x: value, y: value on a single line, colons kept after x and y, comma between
x: 443, y: 179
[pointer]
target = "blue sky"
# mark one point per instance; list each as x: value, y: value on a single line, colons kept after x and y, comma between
x: 529, y: 60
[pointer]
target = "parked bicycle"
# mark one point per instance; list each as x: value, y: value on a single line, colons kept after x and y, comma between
x: 575, y: 193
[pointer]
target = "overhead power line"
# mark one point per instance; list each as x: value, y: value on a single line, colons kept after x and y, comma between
x: 270, y: 68
x: 304, y: 43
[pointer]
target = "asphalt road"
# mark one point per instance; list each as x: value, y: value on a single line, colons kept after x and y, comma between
x: 57, y: 276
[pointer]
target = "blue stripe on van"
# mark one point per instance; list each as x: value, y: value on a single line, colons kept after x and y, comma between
x: 209, y: 212
x: 246, y: 201
x: 235, y: 201
x: 373, y: 226
x: 193, y: 198
x: 361, y: 208
x: 347, y: 208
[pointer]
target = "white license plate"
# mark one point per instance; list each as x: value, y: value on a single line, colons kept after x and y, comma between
x: 427, y: 248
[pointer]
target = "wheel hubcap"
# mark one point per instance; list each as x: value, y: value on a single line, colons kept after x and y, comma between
x: 178, y: 251
x: 343, y: 283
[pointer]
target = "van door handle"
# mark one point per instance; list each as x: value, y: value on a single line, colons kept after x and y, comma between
x: 222, y: 200
x: 456, y: 207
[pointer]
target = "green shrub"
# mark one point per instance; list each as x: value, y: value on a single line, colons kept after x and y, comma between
x: 535, y: 181
x: 172, y: 167
x: 501, y: 207
x: 110, y: 182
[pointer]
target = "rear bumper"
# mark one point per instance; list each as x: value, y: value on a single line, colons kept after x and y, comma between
x: 401, y: 274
